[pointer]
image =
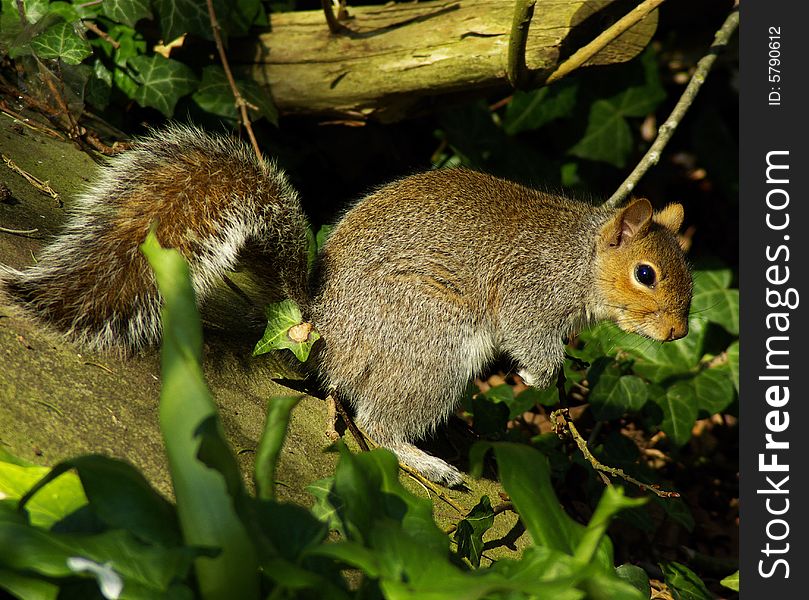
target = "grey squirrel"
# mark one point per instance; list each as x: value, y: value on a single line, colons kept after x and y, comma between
x: 418, y: 287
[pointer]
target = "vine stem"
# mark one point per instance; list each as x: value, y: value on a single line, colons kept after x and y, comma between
x: 666, y: 130
x: 561, y: 421
x: 240, y: 102
x: 582, y: 55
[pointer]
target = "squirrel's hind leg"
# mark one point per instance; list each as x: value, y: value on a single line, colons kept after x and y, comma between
x: 432, y: 467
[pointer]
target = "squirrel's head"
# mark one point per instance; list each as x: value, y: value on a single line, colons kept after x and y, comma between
x: 642, y: 278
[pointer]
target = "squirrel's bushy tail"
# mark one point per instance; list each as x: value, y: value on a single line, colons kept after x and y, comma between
x: 211, y: 199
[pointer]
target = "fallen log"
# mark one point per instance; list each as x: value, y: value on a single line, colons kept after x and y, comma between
x: 389, y: 62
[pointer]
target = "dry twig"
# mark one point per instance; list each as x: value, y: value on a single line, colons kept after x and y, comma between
x: 683, y: 104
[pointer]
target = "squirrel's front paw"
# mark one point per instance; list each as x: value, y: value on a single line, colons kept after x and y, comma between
x: 537, y: 380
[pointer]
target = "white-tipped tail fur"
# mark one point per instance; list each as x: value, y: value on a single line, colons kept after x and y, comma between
x: 209, y: 196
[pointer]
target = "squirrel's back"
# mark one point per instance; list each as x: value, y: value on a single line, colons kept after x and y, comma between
x: 207, y: 195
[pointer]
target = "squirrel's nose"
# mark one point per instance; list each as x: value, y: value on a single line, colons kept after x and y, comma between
x: 678, y: 331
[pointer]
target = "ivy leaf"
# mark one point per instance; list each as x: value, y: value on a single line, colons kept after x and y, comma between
x: 731, y: 581
x: 128, y: 12
x: 679, y: 406
x: 532, y: 110
x: 713, y: 301
x: 184, y: 16
x: 61, y: 42
x: 635, y: 576
x: 162, y: 82
x: 65, y: 10
x: 714, y: 389
x: 642, y: 99
x: 614, y: 394
x: 286, y: 329
x: 685, y: 582
x: 658, y: 361
x: 470, y: 530
x: 215, y: 96
x: 607, y: 138
x: 733, y: 363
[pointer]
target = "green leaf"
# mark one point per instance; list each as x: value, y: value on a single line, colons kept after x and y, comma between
x: 731, y: 581
x: 184, y: 16
x: 367, y: 491
x: 532, y: 110
x: 285, y: 328
x: 272, y: 439
x: 52, y: 503
x: 121, y: 497
x: 685, y: 582
x: 525, y: 475
x: 733, y: 363
x: 61, y: 41
x: 291, y: 529
x: 323, y: 508
x: 635, y: 576
x: 99, y: 87
x: 161, y: 82
x: 65, y: 10
x: 713, y: 301
x: 658, y: 361
x: 607, y: 138
x: 30, y: 588
x: 490, y: 418
x: 128, y: 12
x: 517, y: 405
x: 679, y: 407
x: 351, y: 554
x: 206, y: 510
x: 714, y: 389
x: 677, y: 511
x: 322, y: 235
x: 612, y: 502
x: 641, y: 99
x: 470, y: 530
x: 601, y: 586
x: 614, y: 394
x: 145, y: 571
x: 215, y: 96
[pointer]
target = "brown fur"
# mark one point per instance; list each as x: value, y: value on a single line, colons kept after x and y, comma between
x: 419, y: 286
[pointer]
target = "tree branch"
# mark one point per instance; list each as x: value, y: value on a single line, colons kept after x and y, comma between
x: 241, y: 103
x: 584, y: 54
x: 666, y: 130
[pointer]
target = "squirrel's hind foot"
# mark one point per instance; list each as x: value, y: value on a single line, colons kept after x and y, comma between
x: 429, y: 466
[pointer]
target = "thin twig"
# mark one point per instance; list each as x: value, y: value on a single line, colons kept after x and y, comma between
x: 358, y: 436
x: 582, y: 55
x: 42, y: 186
x: 240, y: 102
x: 102, y: 34
x: 431, y: 486
x: 18, y: 231
x: 562, y: 421
x: 683, y: 104
x: 517, y: 70
x: 21, y: 12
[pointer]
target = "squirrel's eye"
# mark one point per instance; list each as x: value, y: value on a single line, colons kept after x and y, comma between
x: 645, y: 275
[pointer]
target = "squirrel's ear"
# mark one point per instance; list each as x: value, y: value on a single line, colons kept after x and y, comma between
x: 670, y: 217
x: 631, y: 221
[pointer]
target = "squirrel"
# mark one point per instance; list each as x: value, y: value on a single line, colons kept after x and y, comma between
x: 419, y: 286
